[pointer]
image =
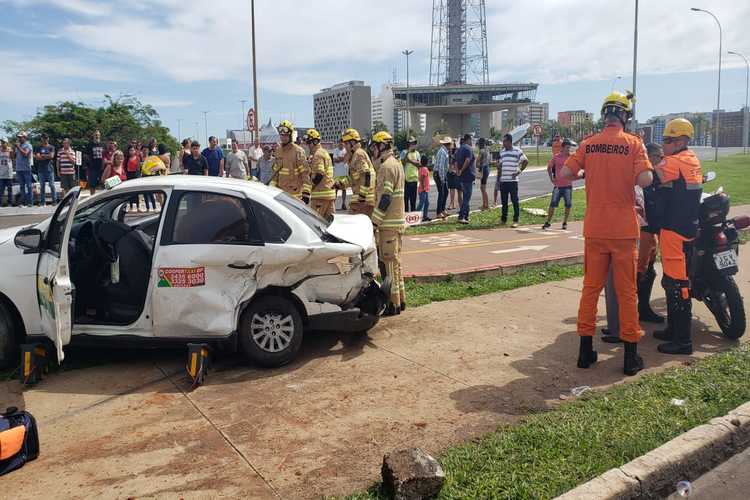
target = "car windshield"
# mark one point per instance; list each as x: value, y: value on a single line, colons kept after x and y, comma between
x: 305, y: 213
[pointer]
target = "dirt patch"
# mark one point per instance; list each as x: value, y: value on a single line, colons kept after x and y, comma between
x: 432, y: 377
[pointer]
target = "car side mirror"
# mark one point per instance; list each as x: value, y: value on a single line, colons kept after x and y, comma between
x: 29, y: 240
x: 709, y: 176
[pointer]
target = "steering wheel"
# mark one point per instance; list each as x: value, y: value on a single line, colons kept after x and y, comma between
x: 105, y: 248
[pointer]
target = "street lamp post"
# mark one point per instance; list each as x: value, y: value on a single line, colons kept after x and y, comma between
x: 718, y: 91
x: 197, y: 132
x: 179, y: 129
x: 633, y: 120
x: 255, y: 78
x: 746, y: 111
x: 407, y: 53
x: 205, y: 123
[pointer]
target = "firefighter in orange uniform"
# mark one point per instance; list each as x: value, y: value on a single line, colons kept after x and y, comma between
x: 680, y: 193
x: 290, y: 172
x: 613, y: 162
x: 323, y: 195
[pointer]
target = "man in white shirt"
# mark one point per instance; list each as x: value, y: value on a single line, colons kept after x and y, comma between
x: 512, y: 162
x: 255, y: 154
x: 340, y: 169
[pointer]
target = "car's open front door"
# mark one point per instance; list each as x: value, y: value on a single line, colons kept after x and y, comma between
x: 54, y: 286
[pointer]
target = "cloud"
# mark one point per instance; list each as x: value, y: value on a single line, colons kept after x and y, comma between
x: 27, y: 79
x: 575, y: 40
x: 80, y: 7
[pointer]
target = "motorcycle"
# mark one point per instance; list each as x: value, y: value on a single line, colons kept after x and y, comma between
x: 713, y: 262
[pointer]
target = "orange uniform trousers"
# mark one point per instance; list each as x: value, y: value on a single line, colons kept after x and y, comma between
x: 646, y: 251
x: 674, y: 263
x: 599, y: 255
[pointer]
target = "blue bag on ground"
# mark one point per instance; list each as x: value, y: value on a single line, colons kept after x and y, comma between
x: 19, y: 439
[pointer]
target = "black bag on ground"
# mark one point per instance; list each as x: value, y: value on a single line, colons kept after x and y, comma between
x: 19, y: 439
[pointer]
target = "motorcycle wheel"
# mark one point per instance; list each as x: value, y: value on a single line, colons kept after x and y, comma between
x: 725, y: 303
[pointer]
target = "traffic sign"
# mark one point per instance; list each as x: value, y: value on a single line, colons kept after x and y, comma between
x: 537, y: 129
x: 251, y: 119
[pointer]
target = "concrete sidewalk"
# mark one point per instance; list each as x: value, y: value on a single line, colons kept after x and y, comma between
x: 124, y: 424
x: 471, y: 252
x: 467, y: 253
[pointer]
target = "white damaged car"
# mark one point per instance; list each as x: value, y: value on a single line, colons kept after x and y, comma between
x: 215, y: 260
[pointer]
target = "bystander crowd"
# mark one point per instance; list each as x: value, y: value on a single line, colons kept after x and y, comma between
x: 24, y: 160
x: 214, y: 157
x: 6, y: 173
x: 512, y: 162
x: 66, y: 166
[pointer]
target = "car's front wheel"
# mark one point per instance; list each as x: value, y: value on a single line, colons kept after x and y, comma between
x: 8, y: 344
x: 271, y: 331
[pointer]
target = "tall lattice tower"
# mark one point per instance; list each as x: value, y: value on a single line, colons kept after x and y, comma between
x: 458, y: 51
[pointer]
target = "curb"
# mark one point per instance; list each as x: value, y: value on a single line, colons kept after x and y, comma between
x: 508, y: 268
x: 686, y: 457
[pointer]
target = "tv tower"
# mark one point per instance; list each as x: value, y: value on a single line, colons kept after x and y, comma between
x: 458, y: 53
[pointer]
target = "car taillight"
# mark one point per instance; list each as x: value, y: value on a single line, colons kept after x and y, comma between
x: 741, y: 222
x: 720, y: 239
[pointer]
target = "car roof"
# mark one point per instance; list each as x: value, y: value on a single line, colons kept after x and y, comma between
x: 197, y: 182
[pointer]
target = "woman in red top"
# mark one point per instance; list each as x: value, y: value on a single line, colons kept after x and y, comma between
x: 117, y: 167
x: 133, y: 164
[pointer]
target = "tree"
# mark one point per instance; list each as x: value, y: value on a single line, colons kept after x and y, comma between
x: 378, y: 126
x: 120, y: 119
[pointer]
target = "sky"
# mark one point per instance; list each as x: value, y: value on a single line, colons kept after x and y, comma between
x: 188, y: 56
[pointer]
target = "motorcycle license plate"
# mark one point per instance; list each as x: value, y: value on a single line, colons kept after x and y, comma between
x: 725, y: 260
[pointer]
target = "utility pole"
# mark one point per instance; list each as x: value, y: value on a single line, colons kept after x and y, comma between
x: 205, y: 123
x: 407, y: 53
x: 746, y: 110
x: 179, y: 129
x: 718, y: 89
x: 255, y: 78
x: 635, y: 64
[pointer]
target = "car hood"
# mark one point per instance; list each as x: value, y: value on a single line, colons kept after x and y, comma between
x: 355, y: 229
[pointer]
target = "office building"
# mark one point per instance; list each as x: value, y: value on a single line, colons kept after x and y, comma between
x: 538, y: 112
x: 572, y: 118
x: 342, y: 106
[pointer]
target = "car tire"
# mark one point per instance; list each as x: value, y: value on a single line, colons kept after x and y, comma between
x: 271, y: 331
x: 8, y: 340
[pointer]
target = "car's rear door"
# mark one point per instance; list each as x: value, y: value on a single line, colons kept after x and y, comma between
x: 206, y: 264
x: 54, y: 287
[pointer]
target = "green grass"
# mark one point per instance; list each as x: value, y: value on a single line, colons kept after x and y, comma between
x: 733, y: 173
x: 419, y: 294
x: 552, y: 452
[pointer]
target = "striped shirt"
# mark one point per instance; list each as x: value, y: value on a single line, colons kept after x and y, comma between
x: 66, y: 162
x: 509, y: 162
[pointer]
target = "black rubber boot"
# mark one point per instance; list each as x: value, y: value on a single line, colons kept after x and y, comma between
x: 645, y: 285
x: 681, y: 342
x: 391, y: 310
x: 633, y: 362
x: 609, y: 337
x: 403, y: 306
x: 586, y: 354
x: 666, y: 334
